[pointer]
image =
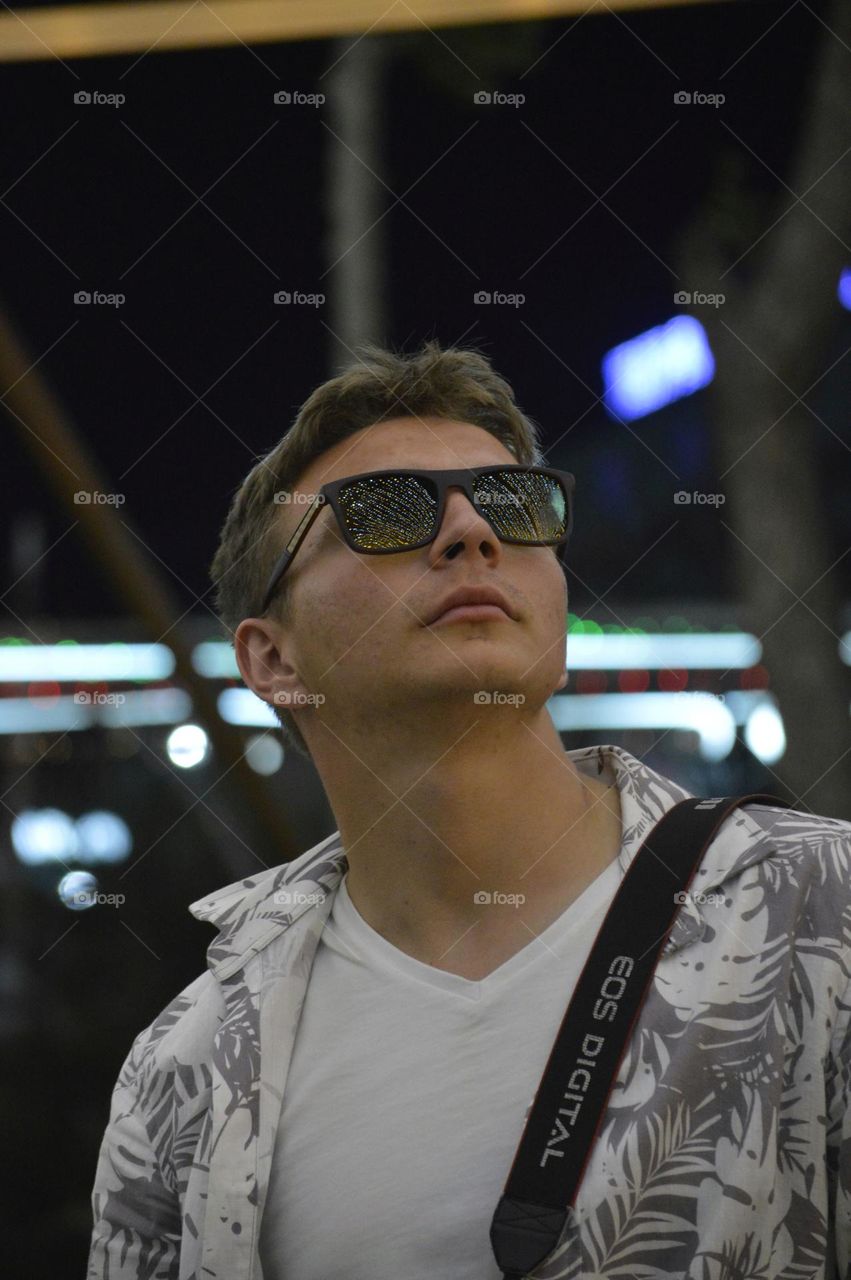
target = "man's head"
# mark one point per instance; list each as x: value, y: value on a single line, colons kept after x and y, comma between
x: 346, y: 635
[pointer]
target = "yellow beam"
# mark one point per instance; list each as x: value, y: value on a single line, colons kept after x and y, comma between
x: 91, y: 30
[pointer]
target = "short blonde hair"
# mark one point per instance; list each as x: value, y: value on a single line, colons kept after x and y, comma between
x: 454, y: 383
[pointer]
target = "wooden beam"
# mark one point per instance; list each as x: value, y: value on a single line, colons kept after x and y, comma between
x: 97, y: 30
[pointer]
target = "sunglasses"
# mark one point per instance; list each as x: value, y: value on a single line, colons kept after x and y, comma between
x: 382, y: 512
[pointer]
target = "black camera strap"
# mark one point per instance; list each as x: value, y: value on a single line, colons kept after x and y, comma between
x: 580, y: 1073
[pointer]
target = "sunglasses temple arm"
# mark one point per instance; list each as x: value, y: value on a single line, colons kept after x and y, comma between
x: 292, y: 547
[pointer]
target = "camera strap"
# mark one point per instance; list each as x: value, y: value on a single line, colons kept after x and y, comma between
x: 580, y: 1073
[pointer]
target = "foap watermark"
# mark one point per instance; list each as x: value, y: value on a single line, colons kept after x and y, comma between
x: 709, y: 899
x: 94, y: 98
x: 486, y: 298
x: 494, y: 698
x: 297, y: 897
x: 94, y: 498
x: 95, y: 298
x: 498, y: 498
x: 485, y: 98
x: 683, y: 498
x: 292, y: 298
x: 284, y: 698
x: 694, y: 98
x: 98, y: 699
x: 484, y: 897
x: 296, y: 98
x: 94, y: 898
x: 282, y: 498
x: 687, y: 298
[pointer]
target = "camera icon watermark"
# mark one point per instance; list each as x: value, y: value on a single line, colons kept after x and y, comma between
x: 98, y: 699
x: 683, y: 498
x: 297, y: 898
x: 684, y: 298
x: 484, y: 898
x: 86, y: 98
x: 498, y: 499
x: 683, y: 98
x: 293, y: 298
x: 94, y: 497
x: 490, y: 698
x: 93, y: 898
x: 285, y: 698
x: 487, y: 298
x: 295, y: 98
x: 87, y: 298
x: 704, y: 899
x: 283, y: 498
x: 484, y: 98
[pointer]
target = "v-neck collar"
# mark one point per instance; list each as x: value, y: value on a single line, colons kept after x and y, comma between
x: 378, y: 951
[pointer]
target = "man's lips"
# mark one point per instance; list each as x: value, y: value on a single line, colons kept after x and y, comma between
x: 478, y: 603
x: 472, y: 613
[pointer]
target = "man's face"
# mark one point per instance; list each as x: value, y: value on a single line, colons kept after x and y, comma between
x: 357, y: 626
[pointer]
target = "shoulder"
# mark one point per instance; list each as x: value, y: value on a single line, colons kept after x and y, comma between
x: 180, y: 1038
x: 803, y: 865
x: 795, y: 831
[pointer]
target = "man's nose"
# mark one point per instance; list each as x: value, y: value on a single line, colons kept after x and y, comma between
x: 463, y: 525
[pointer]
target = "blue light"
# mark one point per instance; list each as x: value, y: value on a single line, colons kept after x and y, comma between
x: 656, y: 368
x: 102, y: 837
x: 42, y: 836
x: 843, y: 289
x: 77, y: 890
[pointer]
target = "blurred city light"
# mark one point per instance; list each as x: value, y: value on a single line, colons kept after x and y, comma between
x: 67, y: 712
x: 703, y: 713
x: 843, y: 289
x: 659, y: 366
x: 242, y: 706
x: 42, y: 836
x: 764, y: 733
x: 264, y: 753
x: 215, y: 659
x: 187, y: 746
x: 77, y: 890
x: 102, y: 837
x: 91, y: 662
x: 699, y: 651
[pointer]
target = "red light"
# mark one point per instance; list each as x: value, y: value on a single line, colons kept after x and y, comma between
x: 754, y: 678
x: 43, y: 691
x: 591, y: 682
x: 633, y: 681
x: 672, y: 681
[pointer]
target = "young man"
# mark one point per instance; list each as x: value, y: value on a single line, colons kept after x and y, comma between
x: 342, y: 1093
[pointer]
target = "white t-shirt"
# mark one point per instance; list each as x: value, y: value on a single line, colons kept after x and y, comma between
x: 406, y: 1098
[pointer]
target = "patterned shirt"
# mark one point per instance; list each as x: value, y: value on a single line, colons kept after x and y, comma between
x: 725, y: 1148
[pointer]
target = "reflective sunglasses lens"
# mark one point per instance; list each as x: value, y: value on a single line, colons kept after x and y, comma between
x: 523, y: 505
x: 389, y: 512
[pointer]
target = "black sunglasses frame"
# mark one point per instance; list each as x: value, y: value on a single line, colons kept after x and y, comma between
x: 462, y: 478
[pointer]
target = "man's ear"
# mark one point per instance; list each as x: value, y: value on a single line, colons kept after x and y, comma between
x: 562, y: 681
x: 260, y: 647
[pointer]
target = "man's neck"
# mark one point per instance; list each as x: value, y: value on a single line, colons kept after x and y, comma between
x: 507, y: 816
